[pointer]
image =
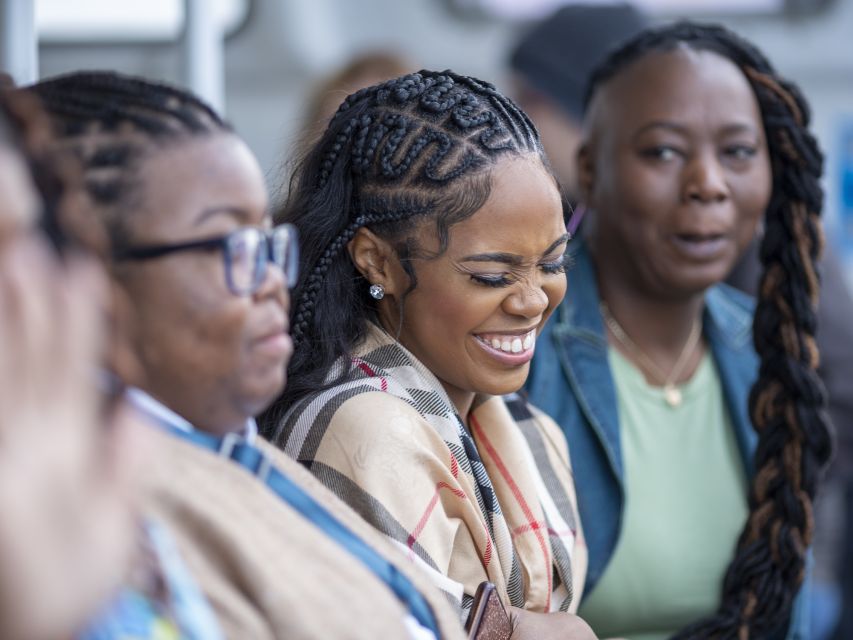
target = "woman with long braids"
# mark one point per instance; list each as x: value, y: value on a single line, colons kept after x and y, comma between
x: 697, y: 523
x: 433, y: 254
x: 206, y: 276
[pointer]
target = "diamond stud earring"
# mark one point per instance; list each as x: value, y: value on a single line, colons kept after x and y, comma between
x: 377, y: 291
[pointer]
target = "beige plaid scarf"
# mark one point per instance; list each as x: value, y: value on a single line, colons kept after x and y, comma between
x: 497, y: 504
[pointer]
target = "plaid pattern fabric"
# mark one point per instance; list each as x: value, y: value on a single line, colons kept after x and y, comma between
x: 494, y: 504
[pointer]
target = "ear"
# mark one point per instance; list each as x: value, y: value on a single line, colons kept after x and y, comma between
x: 586, y: 171
x: 377, y: 261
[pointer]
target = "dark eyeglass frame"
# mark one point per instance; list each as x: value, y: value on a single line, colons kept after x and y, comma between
x: 288, y: 262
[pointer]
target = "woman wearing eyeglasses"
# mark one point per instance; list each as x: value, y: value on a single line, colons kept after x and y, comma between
x: 207, y: 277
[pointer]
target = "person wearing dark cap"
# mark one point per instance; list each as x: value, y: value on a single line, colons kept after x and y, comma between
x: 551, y: 64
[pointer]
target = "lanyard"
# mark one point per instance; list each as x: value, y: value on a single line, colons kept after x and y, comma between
x: 234, y: 447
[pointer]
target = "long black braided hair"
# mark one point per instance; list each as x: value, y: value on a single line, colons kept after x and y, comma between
x: 787, y: 401
x: 110, y: 121
x: 416, y: 147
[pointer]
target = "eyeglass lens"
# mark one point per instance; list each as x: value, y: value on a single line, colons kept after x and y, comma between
x: 248, y: 250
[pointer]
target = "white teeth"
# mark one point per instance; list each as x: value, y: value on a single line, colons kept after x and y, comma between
x: 512, y: 344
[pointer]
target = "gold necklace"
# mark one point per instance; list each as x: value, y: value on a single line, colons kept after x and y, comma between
x: 671, y: 393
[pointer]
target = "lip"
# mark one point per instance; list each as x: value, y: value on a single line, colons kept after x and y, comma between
x: 508, y: 359
x: 276, y: 343
x: 700, y: 246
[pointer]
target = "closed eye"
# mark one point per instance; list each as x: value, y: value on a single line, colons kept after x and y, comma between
x: 494, y: 280
x: 561, y: 265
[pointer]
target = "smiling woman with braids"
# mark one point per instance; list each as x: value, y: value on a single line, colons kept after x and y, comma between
x: 696, y: 526
x: 433, y: 254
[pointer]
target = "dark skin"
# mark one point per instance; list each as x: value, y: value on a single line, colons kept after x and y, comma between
x: 500, y: 277
x: 213, y: 357
x: 516, y: 242
x: 676, y: 170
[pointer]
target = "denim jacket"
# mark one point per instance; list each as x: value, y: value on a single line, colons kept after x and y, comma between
x: 570, y: 379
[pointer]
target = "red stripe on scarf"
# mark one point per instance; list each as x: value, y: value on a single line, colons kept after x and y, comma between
x: 383, y: 383
x: 430, y: 508
x: 525, y: 528
x: 410, y: 542
x: 516, y: 492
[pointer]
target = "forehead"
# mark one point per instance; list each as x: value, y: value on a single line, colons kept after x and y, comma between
x: 179, y: 181
x: 696, y: 88
x: 523, y: 213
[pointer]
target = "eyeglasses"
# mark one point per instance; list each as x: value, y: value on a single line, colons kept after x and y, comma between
x: 245, y: 252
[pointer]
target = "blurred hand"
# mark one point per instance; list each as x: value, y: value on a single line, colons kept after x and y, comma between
x: 530, y: 625
x: 67, y: 527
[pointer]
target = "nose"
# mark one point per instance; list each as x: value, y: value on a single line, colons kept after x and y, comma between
x: 526, y: 300
x: 274, y: 285
x: 705, y: 180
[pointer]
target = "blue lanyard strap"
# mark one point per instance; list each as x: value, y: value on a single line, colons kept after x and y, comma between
x: 257, y: 463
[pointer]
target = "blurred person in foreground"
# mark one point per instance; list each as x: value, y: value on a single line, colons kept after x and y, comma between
x: 67, y: 494
x: 206, y: 275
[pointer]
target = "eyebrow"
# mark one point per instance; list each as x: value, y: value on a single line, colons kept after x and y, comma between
x: 512, y: 258
x: 240, y: 214
x: 736, y: 127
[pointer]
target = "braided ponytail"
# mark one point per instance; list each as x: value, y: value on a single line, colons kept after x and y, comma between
x: 395, y: 153
x: 787, y: 400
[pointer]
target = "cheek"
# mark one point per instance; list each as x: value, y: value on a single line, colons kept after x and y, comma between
x: 191, y: 323
x: 645, y: 194
x: 555, y: 291
x: 751, y: 200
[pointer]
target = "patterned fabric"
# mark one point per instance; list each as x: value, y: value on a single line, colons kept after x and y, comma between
x: 162, y: 601
x: 497, y: 504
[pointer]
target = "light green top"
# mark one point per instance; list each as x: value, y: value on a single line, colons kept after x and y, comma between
x: 684, y: 510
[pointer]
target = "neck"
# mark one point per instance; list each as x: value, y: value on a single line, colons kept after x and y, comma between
x: 659, y: 327
x: 462, y: 401
x: 199, y: 417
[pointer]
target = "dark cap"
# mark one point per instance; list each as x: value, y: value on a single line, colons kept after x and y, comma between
x: 557, y: 56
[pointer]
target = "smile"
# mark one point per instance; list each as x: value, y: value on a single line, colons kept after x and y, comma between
x: 509, y: 348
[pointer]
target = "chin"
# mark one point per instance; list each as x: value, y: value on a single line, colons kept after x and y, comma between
x: 506, y: 384
x: 262, y: 394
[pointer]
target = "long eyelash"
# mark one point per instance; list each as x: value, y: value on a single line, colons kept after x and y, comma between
x: 565, y: 263
x: 500, y: 281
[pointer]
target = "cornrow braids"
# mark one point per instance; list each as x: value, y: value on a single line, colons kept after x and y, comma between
x: 109, y: 121
x: 787, y: 401
x: 394, y: 154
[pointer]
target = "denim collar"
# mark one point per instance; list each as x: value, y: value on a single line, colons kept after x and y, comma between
x: 579, y: 326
